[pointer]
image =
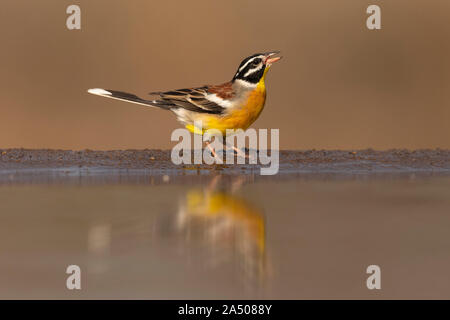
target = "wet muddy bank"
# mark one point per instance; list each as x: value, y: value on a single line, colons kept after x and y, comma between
x: 133, y: 164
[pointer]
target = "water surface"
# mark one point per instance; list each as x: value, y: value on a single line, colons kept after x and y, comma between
x: 226, y: 236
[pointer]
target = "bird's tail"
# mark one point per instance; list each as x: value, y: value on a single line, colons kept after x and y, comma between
x: 128, y: 97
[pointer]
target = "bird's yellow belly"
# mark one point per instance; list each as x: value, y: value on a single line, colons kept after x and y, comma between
x: 240, y: 118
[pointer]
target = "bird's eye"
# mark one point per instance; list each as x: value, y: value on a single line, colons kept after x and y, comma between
x: 256, y: 62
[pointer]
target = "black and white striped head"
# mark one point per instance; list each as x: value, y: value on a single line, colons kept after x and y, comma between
x: 252, y: 68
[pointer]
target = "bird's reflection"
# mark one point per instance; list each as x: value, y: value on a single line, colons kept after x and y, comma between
x: 229, y: 228
x: 214, y: 226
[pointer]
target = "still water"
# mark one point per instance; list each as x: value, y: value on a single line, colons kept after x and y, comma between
x: 223, y: 236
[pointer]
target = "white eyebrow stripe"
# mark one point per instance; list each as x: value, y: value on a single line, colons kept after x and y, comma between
x: 241, y: 68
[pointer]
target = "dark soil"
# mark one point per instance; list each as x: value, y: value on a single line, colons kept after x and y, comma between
x: 290, y: 161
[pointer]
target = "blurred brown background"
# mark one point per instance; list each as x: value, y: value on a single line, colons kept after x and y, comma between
x: 338, y: 86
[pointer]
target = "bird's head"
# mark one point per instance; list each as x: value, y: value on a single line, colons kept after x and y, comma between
x: 253, y: 68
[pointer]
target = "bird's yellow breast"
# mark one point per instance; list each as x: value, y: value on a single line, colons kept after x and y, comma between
x: 239, y: 118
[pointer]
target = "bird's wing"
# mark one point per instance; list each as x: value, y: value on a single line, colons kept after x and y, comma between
x: 206, y: 99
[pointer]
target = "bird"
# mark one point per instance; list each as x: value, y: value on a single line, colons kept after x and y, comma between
x: 235, y: 104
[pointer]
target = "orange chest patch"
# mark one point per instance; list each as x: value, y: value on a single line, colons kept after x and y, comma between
x: 250, y: 110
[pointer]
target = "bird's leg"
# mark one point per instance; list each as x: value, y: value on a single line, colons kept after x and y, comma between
x: 212, y: 151
x: 236, y: 150
x: 240, y: 153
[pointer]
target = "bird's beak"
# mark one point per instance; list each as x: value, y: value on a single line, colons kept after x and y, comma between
x: 270, y: 57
